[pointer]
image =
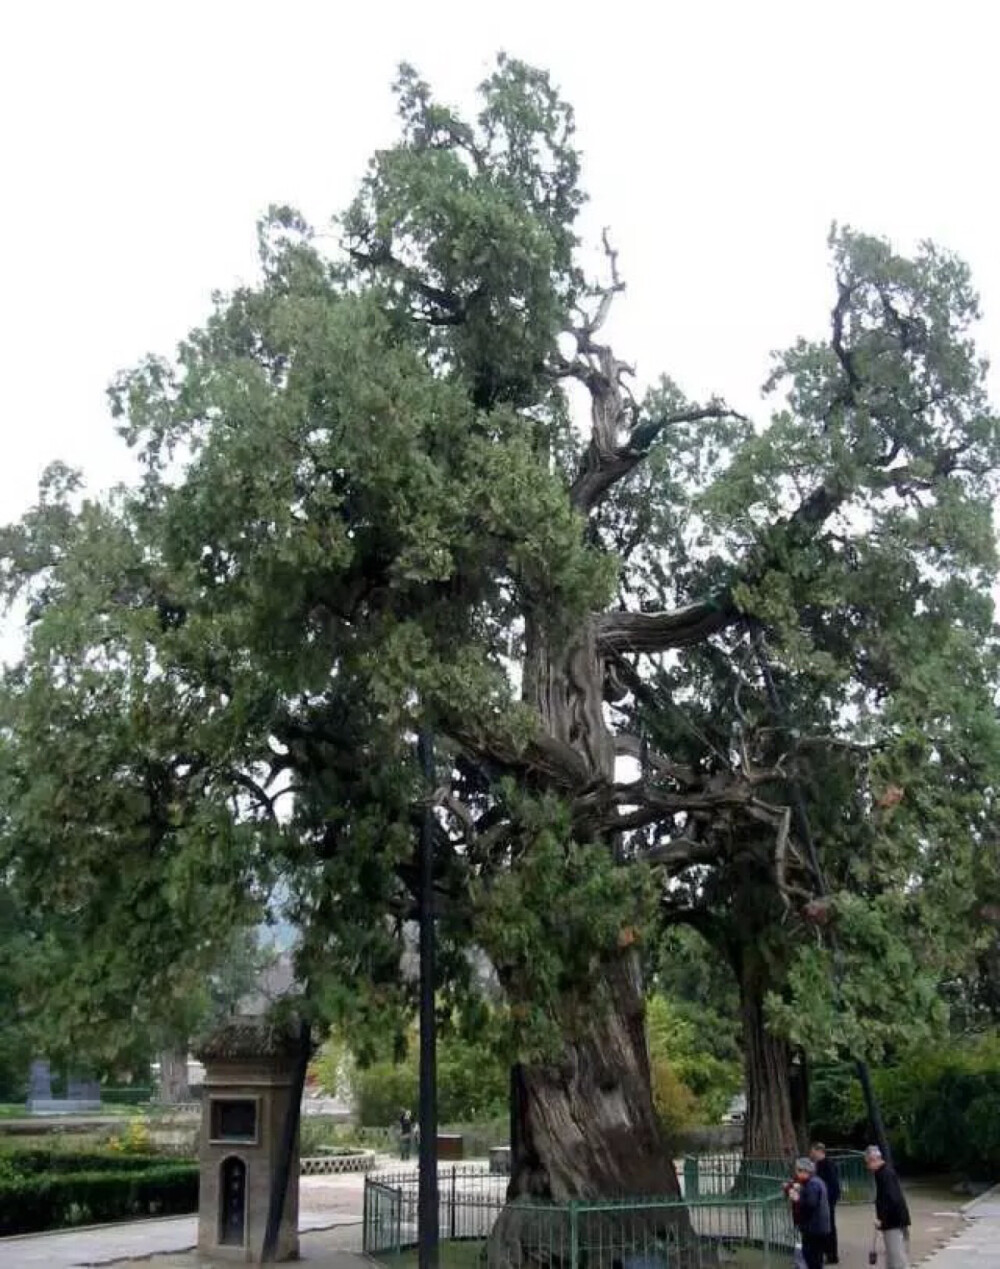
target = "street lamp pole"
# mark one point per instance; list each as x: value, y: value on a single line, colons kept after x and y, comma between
x: 427, y: 1196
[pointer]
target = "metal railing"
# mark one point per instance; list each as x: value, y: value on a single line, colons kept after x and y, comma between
x: 730, y: 1173
x: 479, y: 1227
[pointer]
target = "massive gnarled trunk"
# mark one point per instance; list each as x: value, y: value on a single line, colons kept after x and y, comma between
x: 585, y: 1127
x: 586, y: 1124
x: 769, y: 1129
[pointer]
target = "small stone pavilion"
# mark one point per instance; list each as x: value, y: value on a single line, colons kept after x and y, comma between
x: 249, y: 1085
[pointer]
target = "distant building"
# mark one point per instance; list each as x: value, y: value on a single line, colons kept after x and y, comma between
x: 736, y: 1112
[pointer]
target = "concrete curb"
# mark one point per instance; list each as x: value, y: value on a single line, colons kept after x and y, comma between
x: 991, y: 1195
x: 70, y: 1230
x: 968, y: 1215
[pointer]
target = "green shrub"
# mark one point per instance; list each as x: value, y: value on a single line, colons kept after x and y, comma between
x: 383, y: 1090
x: 676, y: 1105
x: 941, y: 1107
x: 67, y: 1162
x: 472, y: 1084
x: 135, y: 1139
x: 132, y: 1096
x: 696, y: 1086
x: 983, y: 1119
x: 321, y: 1130
x: 46, y: 1199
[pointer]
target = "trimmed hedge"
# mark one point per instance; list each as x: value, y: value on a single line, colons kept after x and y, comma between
x: 46, y: 1199
x: 72, y: 1161
x: 133, y: 1096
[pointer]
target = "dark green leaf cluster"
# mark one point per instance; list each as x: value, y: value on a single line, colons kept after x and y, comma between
x: 365, y: 509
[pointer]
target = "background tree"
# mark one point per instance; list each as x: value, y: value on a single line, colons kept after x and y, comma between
x: 365, y: 508
x: 691, y: 1083
x: 15, y: 970
x: 237, y: 979
x: 884, y: 649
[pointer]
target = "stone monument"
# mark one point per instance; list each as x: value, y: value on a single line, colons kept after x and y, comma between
x: 39, y: 1086
x: 250, y: 1067
x: 81, y: 1095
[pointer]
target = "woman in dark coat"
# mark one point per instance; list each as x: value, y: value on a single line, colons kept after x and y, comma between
x: 810, y: 1212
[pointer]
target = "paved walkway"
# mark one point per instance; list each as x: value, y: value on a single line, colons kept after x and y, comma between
x: 977, y: 1243
x: 331, y: 1235
x: 328, y: 1203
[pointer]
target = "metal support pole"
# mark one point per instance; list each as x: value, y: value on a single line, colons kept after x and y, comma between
x: 427, y: 1197
x: 874, y: 1110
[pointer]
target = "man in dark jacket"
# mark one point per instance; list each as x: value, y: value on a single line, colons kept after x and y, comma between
x: 405, y: 1134
x: 892, y: 1216
x: 811, y: 1212
x: 826, y: 1170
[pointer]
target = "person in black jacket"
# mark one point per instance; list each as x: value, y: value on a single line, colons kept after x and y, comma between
x: 405, y: 1134
x: 892, y: 1216
x: 827, y: 1172
x: 810, y: 1212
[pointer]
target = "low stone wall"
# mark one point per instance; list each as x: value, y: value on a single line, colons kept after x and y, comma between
x: 64, y: 1106
x: 336, y: 1164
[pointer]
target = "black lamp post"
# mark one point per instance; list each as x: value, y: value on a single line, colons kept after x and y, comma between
x: 427, y: 1196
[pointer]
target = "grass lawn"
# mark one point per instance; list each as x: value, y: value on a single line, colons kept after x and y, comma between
x: 18, y: 1110
x: 457, y: 1255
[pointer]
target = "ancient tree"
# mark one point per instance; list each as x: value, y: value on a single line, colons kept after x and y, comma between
x: 407, y: 483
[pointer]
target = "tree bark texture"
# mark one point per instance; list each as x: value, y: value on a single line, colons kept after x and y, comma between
x: 584, y: 1125
x: 174, y: 1076
x: 769, y: 1128
x: 585, y: 1128
x: 566, y: 685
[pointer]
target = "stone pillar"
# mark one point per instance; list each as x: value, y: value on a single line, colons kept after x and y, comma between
x: 39, y: 1084
x: 249, y: 1081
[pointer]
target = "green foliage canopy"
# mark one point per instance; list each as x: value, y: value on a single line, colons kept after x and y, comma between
x: 365, y: 506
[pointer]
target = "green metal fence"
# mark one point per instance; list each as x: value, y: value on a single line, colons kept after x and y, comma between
x: 730, y: 1173
x: 479, y: 1227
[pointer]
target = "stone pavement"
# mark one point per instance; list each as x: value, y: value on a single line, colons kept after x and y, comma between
x: 936, y: 1212
x: 977, y: 1243
x: 315, y: 1252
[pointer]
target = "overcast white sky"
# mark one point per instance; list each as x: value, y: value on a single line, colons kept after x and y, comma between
x: 140, y: 141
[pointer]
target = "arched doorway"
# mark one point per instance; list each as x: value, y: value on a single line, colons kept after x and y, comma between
x: 232, y: 1202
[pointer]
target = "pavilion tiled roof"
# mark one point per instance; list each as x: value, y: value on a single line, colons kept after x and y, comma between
x: 247, y: 1038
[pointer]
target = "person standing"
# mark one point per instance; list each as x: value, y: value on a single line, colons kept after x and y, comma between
x: 892, y: 1216
x: 827, y: 1172
x: 810, y: 1212
x: 405, y: 1135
